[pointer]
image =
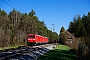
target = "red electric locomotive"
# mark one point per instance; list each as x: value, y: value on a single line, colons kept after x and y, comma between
x: 36, y: 39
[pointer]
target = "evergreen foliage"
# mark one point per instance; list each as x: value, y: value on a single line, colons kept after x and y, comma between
x: 80, y: 27
x: 62, y: 29
x: 15, y: 26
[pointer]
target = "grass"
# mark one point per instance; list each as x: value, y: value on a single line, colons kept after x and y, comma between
x: 61, y: 52
x: 9, y: 47
x: 62, y: 47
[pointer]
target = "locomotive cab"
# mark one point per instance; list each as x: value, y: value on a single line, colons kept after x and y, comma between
x: 31, y: 39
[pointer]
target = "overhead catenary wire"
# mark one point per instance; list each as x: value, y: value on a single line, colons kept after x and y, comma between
x: 16, y: 5
x: 8, y: 4
x: 12, y: 6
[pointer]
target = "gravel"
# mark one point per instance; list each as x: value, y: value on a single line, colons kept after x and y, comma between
x: 27, y: 54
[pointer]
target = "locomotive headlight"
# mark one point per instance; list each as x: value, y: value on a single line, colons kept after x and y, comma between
x: 28, y: 39
x: 33, y: 39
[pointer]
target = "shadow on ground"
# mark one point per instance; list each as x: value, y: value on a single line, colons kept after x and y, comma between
x: 59, y: 55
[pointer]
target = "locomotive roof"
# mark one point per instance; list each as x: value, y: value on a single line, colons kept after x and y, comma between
x: 38, y: 35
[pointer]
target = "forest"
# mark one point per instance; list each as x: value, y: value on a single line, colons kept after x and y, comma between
x: 15, y: 26
x: 80, y: 28
x: 77, y: 36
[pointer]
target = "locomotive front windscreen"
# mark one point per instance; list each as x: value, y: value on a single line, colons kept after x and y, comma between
x: 32, y: 36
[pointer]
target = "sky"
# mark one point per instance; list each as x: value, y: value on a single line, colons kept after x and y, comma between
x: 57, y: 12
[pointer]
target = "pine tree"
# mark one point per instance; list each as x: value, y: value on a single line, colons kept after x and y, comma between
x: 62, y: 29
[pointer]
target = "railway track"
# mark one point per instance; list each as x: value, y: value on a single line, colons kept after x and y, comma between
x: 25, y: 52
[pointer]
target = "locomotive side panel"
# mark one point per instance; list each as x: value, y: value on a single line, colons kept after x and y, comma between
x: 37, y: 39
